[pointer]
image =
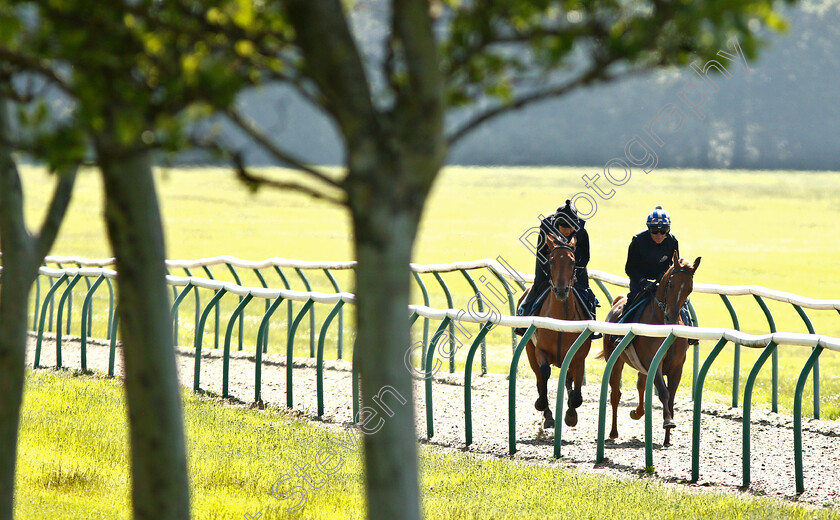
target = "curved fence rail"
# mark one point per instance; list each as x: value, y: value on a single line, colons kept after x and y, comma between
x: 63, y: 280
x: 500, y: 282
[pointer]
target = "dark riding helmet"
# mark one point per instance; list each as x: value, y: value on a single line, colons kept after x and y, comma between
x: 659, y: 218
x: 567, y: 214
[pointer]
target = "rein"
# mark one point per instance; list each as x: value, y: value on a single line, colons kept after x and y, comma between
x: 568, y: 248
x: 661, y: 304
x: 570, y: 283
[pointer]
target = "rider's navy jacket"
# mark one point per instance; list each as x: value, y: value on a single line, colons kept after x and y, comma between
x: 647, y: 260
x: 548, y: 225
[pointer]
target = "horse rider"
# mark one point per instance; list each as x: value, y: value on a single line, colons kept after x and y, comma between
x: 562, y: 225
x: 649, y: 256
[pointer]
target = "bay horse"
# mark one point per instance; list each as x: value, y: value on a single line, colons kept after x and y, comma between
x: 672, y: 290
x: 548, y: 347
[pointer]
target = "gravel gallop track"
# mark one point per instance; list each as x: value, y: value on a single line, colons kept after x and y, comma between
x: 720, y: 465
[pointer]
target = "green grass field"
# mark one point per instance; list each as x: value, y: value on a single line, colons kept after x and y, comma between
x: 73, y: 465
x: 766, y: 228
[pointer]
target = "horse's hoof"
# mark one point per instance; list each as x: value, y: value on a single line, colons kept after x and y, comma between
x: 669, y: 424
x: 548, y: 424
x: 541, y: 404
x: 571, y: 417
x: 666, y: 444
x: 636, y: 415
x: 613, y: 435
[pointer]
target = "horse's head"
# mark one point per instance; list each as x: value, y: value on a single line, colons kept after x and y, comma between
x: 562, y: 265
x: 674, y: 287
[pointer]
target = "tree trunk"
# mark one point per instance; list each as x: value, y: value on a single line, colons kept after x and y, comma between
x: 158, y: 457
x: 22, y: 254
x: 18, y: 275
x: 384, y: 238
x: 14, y: 298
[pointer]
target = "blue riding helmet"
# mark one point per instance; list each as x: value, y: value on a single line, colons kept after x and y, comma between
x: 659, y: 217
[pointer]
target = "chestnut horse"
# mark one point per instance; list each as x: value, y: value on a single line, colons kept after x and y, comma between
x: 548, y: 347
x: 672, y: 290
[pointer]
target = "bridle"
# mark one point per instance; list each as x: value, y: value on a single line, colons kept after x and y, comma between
x: 665, y: 279
x: 554, y: 288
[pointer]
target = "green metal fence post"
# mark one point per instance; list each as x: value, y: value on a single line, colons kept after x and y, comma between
x: 241, y: 314
x: 340, y: 345
x: 319, y: 366
x: 261, y: 278
x: 485, y: 328
x: 311, y: 314
x: 87, y: 310
x: 110, y: 305
x: 816, y: 368
x: 479, y: 299
x: 651, y: 375
x: 451, y: 324
x: 237, y: 313
x: 511, y: 305
x: 748, y: 390
x: 290, y: 348
x: 113, y: 354
x: 696, y: 355
x: 262, y: 336
x: 427, y: 367
x: 604, y: 289
x: 605, y: 385
x: 68, y: 291
x: 199, y: 333
x: 698, y: 402
x: 290, y: 304
x: 775, y: 364
x: 197, y: 301
x: 87, y: 283
x: 37, y: 303
x: 425, y: 320
x: 218, y: 310
x: 797, y: 417
x: 736, y: 363
x: 178, y: 299
x: 514, y: 367
x: 561, y: 388
x: 49, y: 297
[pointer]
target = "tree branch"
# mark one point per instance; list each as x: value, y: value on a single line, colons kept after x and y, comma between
x: 279, y: 154
x: 57, y: 210
x: 252, y: 180
x: 597, y: 72
x: 255, y: 181
x: 424, y: 99
x: 32, y: 64
x: 334, y: 64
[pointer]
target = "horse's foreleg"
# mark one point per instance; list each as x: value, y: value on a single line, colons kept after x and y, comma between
x: 537, y: 361
x: 615, y: 395
x: 542, y: 369
x: 665, y: 399
x: 575, y: 394
x: 673, y: 383
x: 639, y: 412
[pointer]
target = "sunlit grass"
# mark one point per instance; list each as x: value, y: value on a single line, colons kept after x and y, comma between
x: 774, y: 229
x: 73, y: 465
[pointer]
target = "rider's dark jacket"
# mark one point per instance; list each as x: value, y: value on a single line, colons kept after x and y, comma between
x: 550, y: 225
x: 647, y: 260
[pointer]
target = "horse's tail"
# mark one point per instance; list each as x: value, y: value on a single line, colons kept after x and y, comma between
x: 607, y: 351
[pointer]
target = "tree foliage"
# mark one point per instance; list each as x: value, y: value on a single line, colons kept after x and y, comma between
x: 137, y: 76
